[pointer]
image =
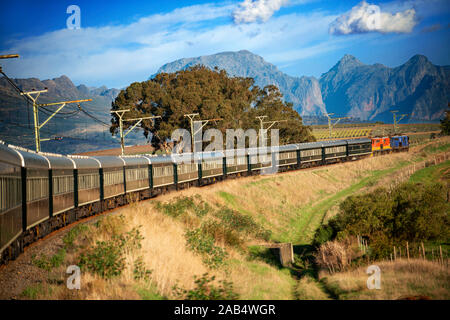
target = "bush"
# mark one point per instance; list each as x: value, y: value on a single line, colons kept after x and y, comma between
x: 221, y: 233
x: 106, y: 258
x: 409, y: 212
x: 48, y: 263
x: 242, y: 223
x: 205, y: 290
x: 70, y: 237
x: 203, y: 244
x: 337, y: 255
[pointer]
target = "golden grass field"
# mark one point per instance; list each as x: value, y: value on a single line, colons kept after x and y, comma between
x: 291, y: 205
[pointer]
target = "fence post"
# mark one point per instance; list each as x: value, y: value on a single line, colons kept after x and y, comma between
x: 423, y: 251
x: 407, y: 249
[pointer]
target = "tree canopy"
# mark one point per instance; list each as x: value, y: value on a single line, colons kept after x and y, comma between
x: 211, y: 94
x: 445, y: 123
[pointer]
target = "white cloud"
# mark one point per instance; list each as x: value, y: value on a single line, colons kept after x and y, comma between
x: 366, y: 17
x: 121, y: 54
x: 257, y: 10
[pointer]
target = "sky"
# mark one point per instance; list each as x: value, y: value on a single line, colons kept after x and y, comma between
x: 120, y: 42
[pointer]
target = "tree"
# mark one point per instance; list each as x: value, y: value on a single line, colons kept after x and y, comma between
x: 445, y: 123
x: 212, y: 94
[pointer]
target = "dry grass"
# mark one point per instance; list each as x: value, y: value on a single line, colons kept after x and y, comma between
x: 309, y: 289
x: 276, y: 202
x: 400, y: 279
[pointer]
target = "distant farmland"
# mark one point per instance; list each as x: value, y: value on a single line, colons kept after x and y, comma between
x: 417, y: 132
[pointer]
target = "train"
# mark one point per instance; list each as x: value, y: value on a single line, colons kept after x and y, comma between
x: 43, y: 192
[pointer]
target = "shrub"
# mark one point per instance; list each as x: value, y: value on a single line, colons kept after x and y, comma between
x: 337, y: 255
x: 242, y: 223
x: 203, y: 244
x: 409, y: 212
x: 106, y: 258
x: 221, y: 233
x: 70, y: 237
x: 48, y: 263
x: 140, y: 271
x: 205, y: 290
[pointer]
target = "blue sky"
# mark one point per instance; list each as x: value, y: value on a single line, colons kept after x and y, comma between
x: 120, y: 42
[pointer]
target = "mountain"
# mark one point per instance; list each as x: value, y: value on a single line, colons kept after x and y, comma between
x: 303, y: 92
x: 417, y: 87
x: 79, y: 131
x: 350, y: 88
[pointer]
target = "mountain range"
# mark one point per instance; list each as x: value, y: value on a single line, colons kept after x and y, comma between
x: 350, y: 88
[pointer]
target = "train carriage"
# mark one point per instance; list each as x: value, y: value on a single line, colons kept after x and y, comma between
x: 310, y: 152
x: 334, y: 150
x: 10, y: 199
x: 36, y: 174
x: 87, y: 179
x: 259, y: 158
x: 236, y: 161
x: 62, y: 183
x: 211, y: 163
x: 187, y: 168
x: 162, y: 171
x: 286, y: 155
x: 112, y: 172
x: 359, y: 147
x: 136, y: 173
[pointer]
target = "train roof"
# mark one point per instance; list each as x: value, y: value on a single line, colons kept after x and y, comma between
x: 84, y: 162
x: 31, y: 159
x: 309, y: 145
x: 359, y: 141
x: 334, y: 143
x: 9, y: 155
x: 135, y: 160
x: 209, y: 155
x: 286, y: 147
x: 159, y: 159
x: 109, y: 161
x: 60, y: 162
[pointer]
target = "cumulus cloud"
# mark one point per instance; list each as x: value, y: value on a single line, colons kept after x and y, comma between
x: 257, y: 10
x: 366, y: 17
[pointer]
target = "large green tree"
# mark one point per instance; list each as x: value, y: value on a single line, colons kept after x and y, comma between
x: 211, y: 94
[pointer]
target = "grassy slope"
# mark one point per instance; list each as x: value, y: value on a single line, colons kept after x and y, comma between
x: 292, y: 205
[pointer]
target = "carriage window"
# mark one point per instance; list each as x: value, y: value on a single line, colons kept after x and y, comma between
x: 88, y: 181
x: 137, y: 174
x: 62, y: 184
x: 37, y: 188
x: 10, y: 192
x: 113, y: 177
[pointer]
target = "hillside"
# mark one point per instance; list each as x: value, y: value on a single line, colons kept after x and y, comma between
x: 221, y: 230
